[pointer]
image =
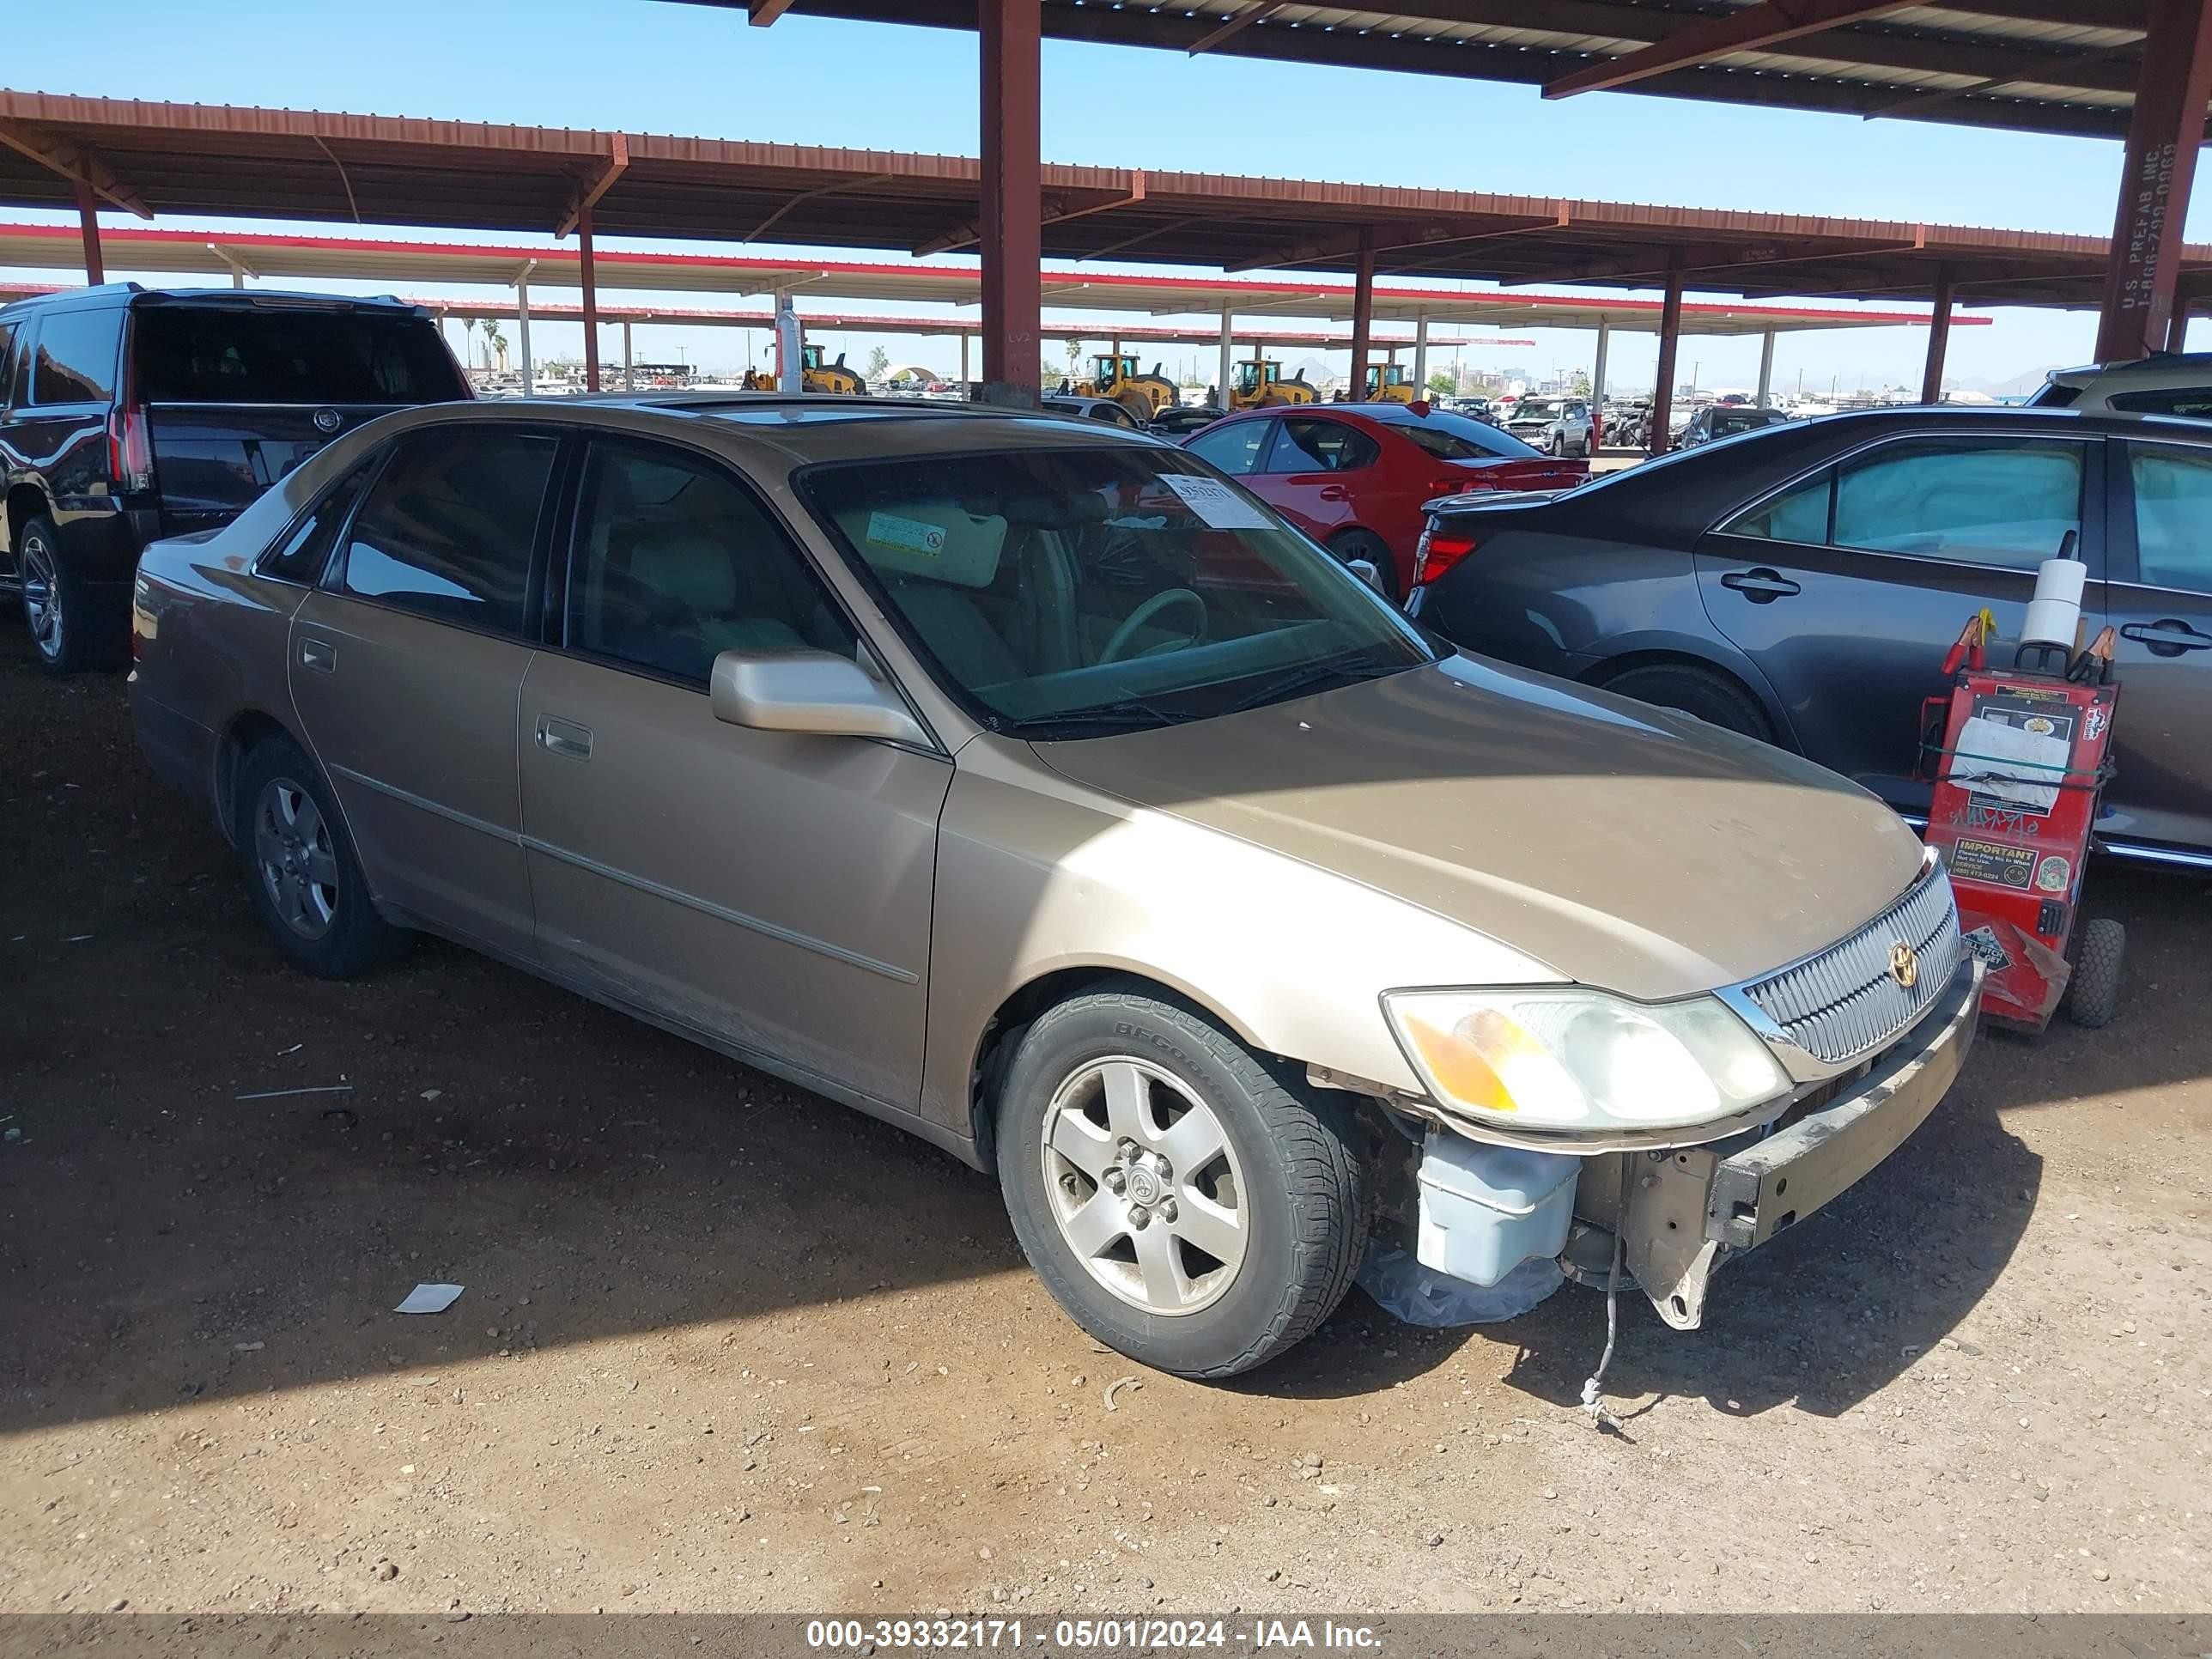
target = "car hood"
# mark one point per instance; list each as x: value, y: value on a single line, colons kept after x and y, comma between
x: 1627, y: 848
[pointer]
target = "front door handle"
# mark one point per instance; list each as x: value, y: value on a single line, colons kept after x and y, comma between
x: 1761, y: 585
x: 318, y: 654
x: 559, y: 737
x: 2169, y: 637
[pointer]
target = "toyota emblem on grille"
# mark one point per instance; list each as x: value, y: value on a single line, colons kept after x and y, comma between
x: 1904, y: 965
x: 328, y: 420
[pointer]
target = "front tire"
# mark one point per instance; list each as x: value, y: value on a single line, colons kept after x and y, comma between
x: 305, y: 878
x: 1181, y: 1201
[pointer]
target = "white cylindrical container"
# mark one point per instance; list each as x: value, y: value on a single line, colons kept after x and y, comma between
x: 2054, y: 615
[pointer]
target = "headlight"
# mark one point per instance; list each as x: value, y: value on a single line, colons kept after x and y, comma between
x: 1569, y: 1059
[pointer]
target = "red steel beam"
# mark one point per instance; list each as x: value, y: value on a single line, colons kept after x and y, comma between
x: 1939, y: 339
x: 1662, y: 380
x: 2163, y: 136
x: 1751, y: 29
x: 1363, y: 312
x: 87, y: 219
x: 1010, y: 33
x: 588, y: 280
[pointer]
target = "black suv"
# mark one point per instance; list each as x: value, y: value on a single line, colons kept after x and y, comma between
x: 127, y: 414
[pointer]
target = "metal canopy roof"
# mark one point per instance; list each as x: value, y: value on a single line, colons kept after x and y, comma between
x: 157, y: 159
x: 359, y: 259
x: 2037, y: 65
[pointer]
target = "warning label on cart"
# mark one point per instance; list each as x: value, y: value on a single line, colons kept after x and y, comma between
x: 1992, y: 863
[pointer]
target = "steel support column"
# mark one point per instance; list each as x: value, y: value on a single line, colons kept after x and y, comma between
x: 522, y: 331
x: 1766, y: 368
x: 1362, y: 314
x: 1228, y: 362
x: 629, y: 372
x: 1662, y: 377
x: 964, y: 365
x: 588, y: 278
x: 1939, y: 339
x: 1421, y: 354
x: 87, y: 220
x: 1009, y: 33
x: 2163, y: 138
x: 1597, y: 386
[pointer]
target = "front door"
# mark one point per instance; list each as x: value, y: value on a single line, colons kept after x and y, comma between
x: 406, y: 667
x: 766, y: 889
x: 1847, y: 588
x: 2161, y: 601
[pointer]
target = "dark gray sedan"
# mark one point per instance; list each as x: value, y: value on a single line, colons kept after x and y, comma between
x: 1801, y: 584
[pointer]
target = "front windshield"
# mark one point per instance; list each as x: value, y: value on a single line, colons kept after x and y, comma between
x: 1061, y: 592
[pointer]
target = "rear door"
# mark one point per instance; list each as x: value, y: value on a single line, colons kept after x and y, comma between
x: 238, y: 393
x: 407, y: 663
x: 2159, y: 598
x: 1313, y: 470
x: 1847, y: 587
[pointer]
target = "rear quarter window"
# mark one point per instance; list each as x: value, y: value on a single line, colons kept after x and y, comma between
x: 75, y: 358
x: 229, y: 354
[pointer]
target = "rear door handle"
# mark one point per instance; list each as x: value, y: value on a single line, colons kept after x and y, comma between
x: 559, y: 737
x: 1335, y: 493
x: 1761, y: 585
x: 2168, y: 636
x: 318, y: 654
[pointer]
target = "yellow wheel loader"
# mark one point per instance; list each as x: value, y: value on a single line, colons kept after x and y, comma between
x: 1389, y: 383
x: 1260, y: 383
x: 1117, y: 377
x: 814, y: 375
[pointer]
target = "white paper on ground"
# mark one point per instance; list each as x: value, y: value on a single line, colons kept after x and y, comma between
x: 429, y: 1299
x: 1984, y: 747
x: 1218, y: 506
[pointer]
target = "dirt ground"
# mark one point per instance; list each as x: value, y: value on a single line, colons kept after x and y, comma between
x: 726, y: 1346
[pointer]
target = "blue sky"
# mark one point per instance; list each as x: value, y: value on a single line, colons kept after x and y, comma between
x: 648, y: 65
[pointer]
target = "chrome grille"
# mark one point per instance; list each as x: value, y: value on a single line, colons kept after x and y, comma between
x: 1843, y: 1003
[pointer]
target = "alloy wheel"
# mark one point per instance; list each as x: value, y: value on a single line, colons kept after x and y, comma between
x: 42, y: 599
x: 1145, y: 1187
x: 299, y: 865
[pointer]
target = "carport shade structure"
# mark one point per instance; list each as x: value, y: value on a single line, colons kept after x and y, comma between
x: 2137, y: 69
x: 150, y: 158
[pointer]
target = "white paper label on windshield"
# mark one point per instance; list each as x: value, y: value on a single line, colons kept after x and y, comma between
x: 907, y: 535
x: 1218, y: 506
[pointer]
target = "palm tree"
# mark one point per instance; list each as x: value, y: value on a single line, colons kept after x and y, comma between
x: 495, y: 341
x: 469, y: 333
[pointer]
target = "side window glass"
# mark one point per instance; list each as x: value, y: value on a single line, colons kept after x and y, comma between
x: 674, y: 563
x: 1799, y: 515
x: 2193, y: 402
x: 449, y: 530
x: 2003, y: 504
x: 1234, y: 449
x: 304, y: 555
x: 7, y: 361
x: 2174, y: 506
x: 76, y: 355
x: 1320, y: 446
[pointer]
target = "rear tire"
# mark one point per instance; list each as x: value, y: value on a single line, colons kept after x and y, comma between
x: 1707, y: 694
x: 66, y: 632
x: 1363, y: 544
x: 301, y: 869
x: 2093, y: 995
x: 1182, y: 1202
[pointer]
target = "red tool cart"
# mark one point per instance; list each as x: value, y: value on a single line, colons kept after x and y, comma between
x: 2019, y: 758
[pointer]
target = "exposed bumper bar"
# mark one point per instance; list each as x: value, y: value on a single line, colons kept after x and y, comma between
x: 1768, y: 1186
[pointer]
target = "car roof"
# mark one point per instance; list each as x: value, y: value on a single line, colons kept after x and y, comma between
x: 135, y: 294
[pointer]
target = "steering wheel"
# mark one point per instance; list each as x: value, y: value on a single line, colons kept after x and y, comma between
x: 1150, y: 609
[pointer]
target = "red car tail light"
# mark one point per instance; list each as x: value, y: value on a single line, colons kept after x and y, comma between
x: 130, y: 450
x: 1437, y: 552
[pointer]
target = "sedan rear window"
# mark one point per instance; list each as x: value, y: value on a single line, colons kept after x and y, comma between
x: 1454, y: 437
x: 230, y: 355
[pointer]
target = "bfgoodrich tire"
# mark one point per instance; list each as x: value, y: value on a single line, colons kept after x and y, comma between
x: 1182, y: 1202
x: 301, y: 866
x: 1713, y: 696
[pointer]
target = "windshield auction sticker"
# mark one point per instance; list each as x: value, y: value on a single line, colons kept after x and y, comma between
x: 1218, y: 506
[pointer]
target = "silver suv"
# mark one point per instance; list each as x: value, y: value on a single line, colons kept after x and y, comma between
x: 2166, y: 383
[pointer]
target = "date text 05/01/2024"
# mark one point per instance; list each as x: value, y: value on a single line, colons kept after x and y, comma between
x: 1089, y: 1635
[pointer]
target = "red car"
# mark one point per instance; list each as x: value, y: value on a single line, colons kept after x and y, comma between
x: 1354, y: 476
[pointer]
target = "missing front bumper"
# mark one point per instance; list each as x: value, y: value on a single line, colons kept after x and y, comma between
x: 1688, y: 1210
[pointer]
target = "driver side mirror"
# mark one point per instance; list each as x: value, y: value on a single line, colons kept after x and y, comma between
x: 815, y: 692
x: 1365, y: 570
